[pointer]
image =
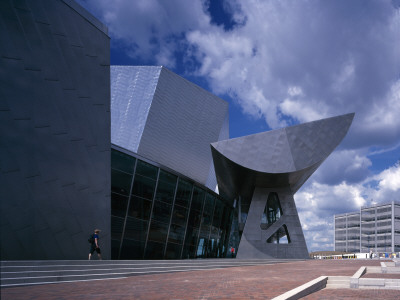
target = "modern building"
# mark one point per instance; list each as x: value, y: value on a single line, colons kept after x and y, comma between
x: 373, y: 228
x: 163, y: 200
x: 263, y: 171
x: 55, y: 162
x: 135, y: 151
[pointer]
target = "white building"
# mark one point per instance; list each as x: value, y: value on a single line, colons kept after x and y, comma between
x: 374, y: 228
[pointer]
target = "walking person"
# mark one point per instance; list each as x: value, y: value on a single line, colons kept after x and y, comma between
x: 94, y: 246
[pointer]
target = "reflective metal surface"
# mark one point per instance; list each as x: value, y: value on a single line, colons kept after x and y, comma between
x: 278, y: 161
x: 132, y: 92
x: 167, y: 119
x: 277, y: 158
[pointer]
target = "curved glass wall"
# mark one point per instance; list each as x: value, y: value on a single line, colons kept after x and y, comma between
x: 157, y: 214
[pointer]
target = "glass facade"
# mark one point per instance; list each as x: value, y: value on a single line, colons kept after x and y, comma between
x: 158, y: 214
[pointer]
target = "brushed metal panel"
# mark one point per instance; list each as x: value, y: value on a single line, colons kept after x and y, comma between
x: 132, y: 91
x: 182, y: 122
x: 275, y: 161
x: 283, y: 157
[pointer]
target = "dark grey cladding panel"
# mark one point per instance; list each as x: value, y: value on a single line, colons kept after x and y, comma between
x: 253, y: 243
x: 55, y: 130
x: 264, y: 152
x: 234, y: 179
x: 278, y: 158
x: 312, y: 142
x: 182, y: 122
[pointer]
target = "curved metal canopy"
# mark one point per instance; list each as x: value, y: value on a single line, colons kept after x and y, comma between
x: 277, y: 158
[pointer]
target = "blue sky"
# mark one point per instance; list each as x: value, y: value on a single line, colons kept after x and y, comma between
x: 280, y: 63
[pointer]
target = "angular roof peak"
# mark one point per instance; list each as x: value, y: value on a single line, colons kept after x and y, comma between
x: 290, y: 154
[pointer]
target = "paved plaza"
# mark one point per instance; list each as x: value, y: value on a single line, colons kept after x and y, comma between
x: 246, y: 282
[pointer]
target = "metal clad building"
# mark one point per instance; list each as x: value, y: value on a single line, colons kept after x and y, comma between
x: 55, y: 129
x: 263, y: 171
x: 163, y: 204
x: 167, y: 119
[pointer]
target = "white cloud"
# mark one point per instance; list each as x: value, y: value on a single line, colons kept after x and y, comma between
x: 295, y: 91
x: 317, y: 203
x: 390, y: 179
x: 342, y: 57
x: 351, y: 166
x: 149, y: 29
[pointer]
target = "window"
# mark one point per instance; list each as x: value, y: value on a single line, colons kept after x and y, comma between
x: 161, y: 212
x: 146, y: 170
x: 135, y: 229
x: 139, y: 208
x: 197, y: 199
x: 143, y: 187
x: 179, y: 215
x: 154, y: 250
x: 176, y: 234
x: 122, y: 162
x: 272, y: 211
x: 132, y: 249
x: 281, y: 236
x: 119, y: 204
x: 166, y: 187
x: 183, y: 193
x: 158, y: 232
x: 120, y: 182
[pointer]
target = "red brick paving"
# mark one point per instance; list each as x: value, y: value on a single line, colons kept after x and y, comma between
x: 250, y: 282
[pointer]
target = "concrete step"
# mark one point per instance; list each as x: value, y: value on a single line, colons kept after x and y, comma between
x: 15, y: 273
x: 8, y: 282
x: 374, y: 269
x: 52, y: 263
x: 338, y: 282
x: 338, y: 286
x: 77, y: 270
x: 392, y: 283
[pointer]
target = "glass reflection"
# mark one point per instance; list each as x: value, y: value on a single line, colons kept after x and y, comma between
x: 165, y: 192
x: 180, y: 214
x: 120, y: 182
x: 132, y: 249
x: 173, y: 251
x: 139, y: 208
x: 135, y: 229
x: 121, y: 161
x: 161, y: 212
x: 158, y: 232
x: 183, y: 193
x: 146, y: 169
x: 118, y: 205
x: 143, y: 187
x: 176, y: 234
x: 272, y: 211
x: 197, y: 199
x: 154, y: 250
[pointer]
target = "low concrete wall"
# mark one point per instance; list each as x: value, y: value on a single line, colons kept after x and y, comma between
x: 305, y: 289
x: 354, y: 280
